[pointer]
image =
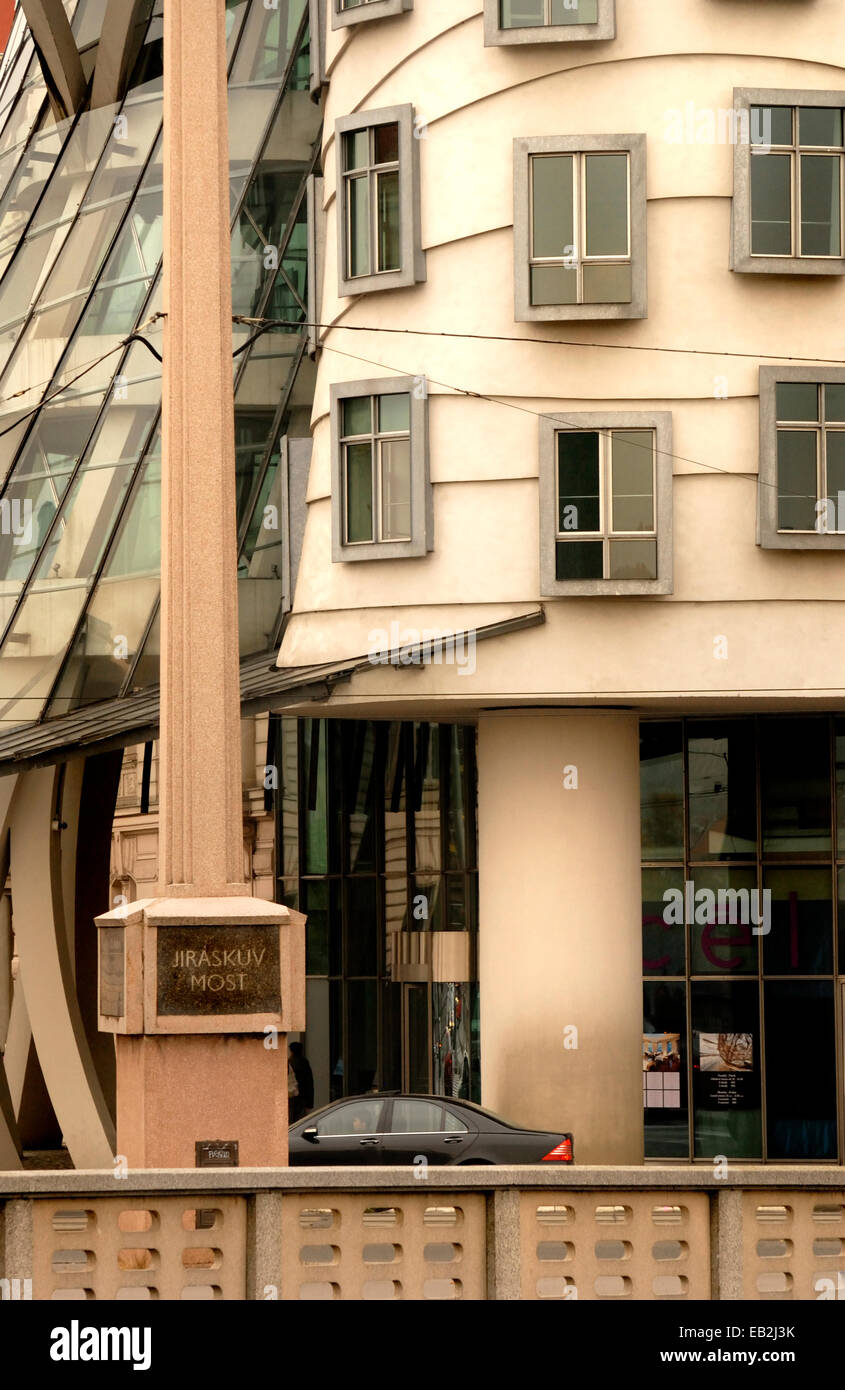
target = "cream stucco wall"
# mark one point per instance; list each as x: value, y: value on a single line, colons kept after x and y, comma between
x: 779, y: 611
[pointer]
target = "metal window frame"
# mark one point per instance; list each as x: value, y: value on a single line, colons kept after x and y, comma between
x: 422, y: 520
x: 607, y: 532
x: 412, y: 268
x: 605, y: 422
x: 742, y: 259
x: 375, y: 438
x: 769, y: 537
x: 527, y: 148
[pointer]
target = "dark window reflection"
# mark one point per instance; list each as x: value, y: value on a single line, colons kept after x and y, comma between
x: 665, y: 1104
x: 726, y: 910
x: 840, y: 787
x: 795, y: 786
x: 726, y: 1069
x: 661, y: 791
x: 722, y: 791
x: 801, y: 938
x: 383, y: 807
x: 664, y: 941
x: 800, y: 1069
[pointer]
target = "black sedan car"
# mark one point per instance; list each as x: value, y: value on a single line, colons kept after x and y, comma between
x: 391, y: 1129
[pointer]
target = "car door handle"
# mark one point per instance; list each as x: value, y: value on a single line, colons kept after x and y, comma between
x: 369, y: 1143
x: 454, y: 1139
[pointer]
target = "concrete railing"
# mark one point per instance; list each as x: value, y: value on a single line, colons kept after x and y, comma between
x: 669, y: 1233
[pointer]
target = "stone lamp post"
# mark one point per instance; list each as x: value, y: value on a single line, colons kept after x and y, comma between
x: 202, y: 984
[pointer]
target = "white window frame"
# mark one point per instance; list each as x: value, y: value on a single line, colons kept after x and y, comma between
x: 411, y: 269
x: 605, y: 424
x: 421, y: 538
x: 769, y: 534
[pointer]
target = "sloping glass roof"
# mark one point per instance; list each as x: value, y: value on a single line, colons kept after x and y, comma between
x: 80, y: 273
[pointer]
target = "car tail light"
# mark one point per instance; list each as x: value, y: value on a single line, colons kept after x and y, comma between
x: 561, y: 1153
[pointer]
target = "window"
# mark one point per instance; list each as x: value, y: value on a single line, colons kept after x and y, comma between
x: 379, y: 245
x: 605, y: 504
x: 353, y: 11
x: 359, y: 1117
x: 416, y: 1117
x: 788, y: 170
x: 381, y: 495
x: 580, y: 227
x: 801, y: 487
x: 745, y: 960
x: 547, y: 21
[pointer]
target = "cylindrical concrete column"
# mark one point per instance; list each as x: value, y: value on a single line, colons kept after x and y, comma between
x: 560, y: 940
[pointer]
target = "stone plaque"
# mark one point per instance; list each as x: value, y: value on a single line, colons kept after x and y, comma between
x: 218, y: 970
x: 112, y: 950
x: 215, y: 1153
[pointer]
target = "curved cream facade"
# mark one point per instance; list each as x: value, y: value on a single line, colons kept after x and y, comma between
x: 778, y: 611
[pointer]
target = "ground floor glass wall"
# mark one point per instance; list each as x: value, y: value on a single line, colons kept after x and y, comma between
x: 376, y: 843
x: 743, y: 842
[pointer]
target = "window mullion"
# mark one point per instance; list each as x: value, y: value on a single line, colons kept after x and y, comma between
x: 579, y: 175
x: 796, y: 242
x: 375, y: 456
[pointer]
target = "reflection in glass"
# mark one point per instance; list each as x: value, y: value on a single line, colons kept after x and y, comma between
x: 726, y: 1069
x: 664, y: 941
x: 801, y: 938
x: 800, y: 1070
x: 795, y: 786
x: 771, y: 205
x: 661, y: 790
x: 632, y: 485
x: 552, y: 204
x: 579, y: 507
x: 722, y: 791
x: 665, y: 1103
x: 606, y: 178
x: 797, y: 479
x: 727, y: 910
x: 821, y: 214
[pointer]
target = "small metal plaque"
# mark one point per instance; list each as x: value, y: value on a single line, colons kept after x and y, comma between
x: 112, y: 961
x: 216, y: 1153
x: 218, y: 970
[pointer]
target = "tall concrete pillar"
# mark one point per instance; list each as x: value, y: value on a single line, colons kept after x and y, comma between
x: 560, y: 938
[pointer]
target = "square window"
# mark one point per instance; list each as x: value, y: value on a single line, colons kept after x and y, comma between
x: 580, y: 227
x: 378, y: 205
x: 801, y: 487
x: 381, y: 493
x: 789, y: 161
x: 605, y: 504
x: 548, y: 21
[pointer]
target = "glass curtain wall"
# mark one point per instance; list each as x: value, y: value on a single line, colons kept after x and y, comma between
x: 743, y: 845
x: 377, y: 844
x: 80, y: 271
